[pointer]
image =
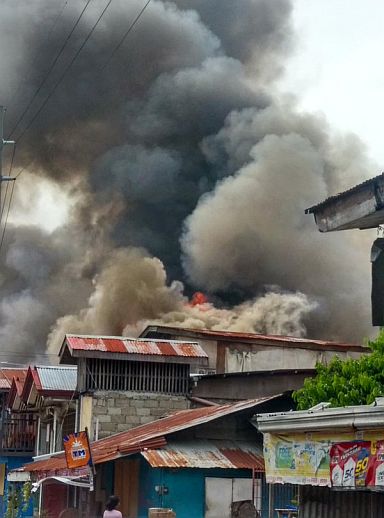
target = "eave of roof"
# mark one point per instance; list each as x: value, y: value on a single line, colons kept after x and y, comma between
x: 361, y: 417
x: 275, y: 340
x: 206, y: 455
x: 135, y: 349
x: 257, y: 374
x: 348, y: 192
x: 361, y: 207
x: 8, y: 374
x: 54, y: 385
x: 151, y: 435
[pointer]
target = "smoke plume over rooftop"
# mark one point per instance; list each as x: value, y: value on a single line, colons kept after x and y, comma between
x: 186, y: 171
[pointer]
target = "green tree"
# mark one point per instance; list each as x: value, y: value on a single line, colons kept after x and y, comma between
x: 350, y: 382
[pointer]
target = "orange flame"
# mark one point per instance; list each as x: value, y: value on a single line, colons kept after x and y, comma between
x: 198, y: 298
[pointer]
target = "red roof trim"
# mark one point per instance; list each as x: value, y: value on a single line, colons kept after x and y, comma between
x: 290, y: 341
x: 132, y: 346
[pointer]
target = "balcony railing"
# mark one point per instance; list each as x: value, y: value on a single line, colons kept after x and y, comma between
x: 18, y: 434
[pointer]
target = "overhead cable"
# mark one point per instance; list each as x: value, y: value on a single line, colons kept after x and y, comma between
x: 32, y: 64
x: 67, y: 68
x: 116, y: 48
x: 52, y: 66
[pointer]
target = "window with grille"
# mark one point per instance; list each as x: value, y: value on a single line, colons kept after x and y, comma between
x: 165, y: 378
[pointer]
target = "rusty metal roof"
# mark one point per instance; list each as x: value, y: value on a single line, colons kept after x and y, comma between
x: 151, y: 435
x: 276, y: 340
x: 7, y: 375
x: 207, y: 454
x: 4, y: 384
x: 132, y: 346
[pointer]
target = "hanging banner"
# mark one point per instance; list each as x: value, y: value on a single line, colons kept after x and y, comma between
x: 375, y: 475
x: 297, y: 459
x: 325, y: 459
x: 77, y: 450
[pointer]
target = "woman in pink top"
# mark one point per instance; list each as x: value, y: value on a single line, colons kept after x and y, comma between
x: 110, y: 508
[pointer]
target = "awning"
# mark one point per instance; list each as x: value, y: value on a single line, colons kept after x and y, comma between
x: 207, y: 454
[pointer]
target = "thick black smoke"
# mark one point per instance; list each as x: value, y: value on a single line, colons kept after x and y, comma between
x: 179, y: 155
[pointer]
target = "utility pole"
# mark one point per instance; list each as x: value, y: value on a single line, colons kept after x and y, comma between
x: 2, y: 144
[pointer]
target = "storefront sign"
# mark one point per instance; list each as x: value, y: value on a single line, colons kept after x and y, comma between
x: 77, y: 450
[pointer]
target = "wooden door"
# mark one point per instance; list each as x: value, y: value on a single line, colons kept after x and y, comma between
x: 127, y: 486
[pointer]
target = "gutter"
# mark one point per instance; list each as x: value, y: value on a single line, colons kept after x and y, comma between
x: 354, y: 418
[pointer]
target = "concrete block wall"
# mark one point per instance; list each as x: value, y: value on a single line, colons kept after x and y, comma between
x: 114, y: 412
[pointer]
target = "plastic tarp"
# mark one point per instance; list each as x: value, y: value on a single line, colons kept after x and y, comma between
x: 71, y: 481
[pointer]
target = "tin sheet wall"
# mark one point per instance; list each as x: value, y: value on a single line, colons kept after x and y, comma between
x: 321, y: 502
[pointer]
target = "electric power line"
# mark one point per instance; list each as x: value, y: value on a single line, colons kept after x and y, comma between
x: 116, y: 48
x: 3, y: 201
x: 7, y: 216
x: 65, y: 71
x: 6, y: 189
x: 52, y: 66
x: 46, y: 40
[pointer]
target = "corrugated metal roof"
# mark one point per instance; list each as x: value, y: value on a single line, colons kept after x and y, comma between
x: 151, y: 435
x: 4, y: 384
x: 114, y: 344
x: 253, y: 337
x: 207, y: 454
x: 57, y: 378
x: 355, y: 188
x: 7, y: 375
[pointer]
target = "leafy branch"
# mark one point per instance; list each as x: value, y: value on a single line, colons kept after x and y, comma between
x: 343, y: 383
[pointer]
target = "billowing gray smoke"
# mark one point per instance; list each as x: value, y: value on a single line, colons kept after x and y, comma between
x: 186, y: 167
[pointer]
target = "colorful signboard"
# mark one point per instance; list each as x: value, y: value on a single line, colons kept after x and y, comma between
x: 77, y: 450
x: 349, y: 463
x: 357, y: 464
x: 340, y: 460
x: 297, y: 459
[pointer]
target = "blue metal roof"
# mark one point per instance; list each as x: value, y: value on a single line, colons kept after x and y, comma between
x: 57, y: 377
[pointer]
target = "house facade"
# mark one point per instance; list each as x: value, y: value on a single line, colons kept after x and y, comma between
x: 124, y: 382
x: 246, y: 352
x: 17, y: 435
x: 334, y: 455
x: 198, y: 462
x: 41, y: 407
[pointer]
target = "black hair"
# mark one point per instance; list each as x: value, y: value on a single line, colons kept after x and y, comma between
x: 112, y: 503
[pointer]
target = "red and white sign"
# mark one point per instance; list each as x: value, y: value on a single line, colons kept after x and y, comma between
x: 357, y: 464
x: 349, y: 463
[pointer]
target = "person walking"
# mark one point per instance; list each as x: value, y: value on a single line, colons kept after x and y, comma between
x: 111, y: 508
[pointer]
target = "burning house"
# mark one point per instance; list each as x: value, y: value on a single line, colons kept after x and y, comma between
x: 165, y: 176
x: 126, y: 382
